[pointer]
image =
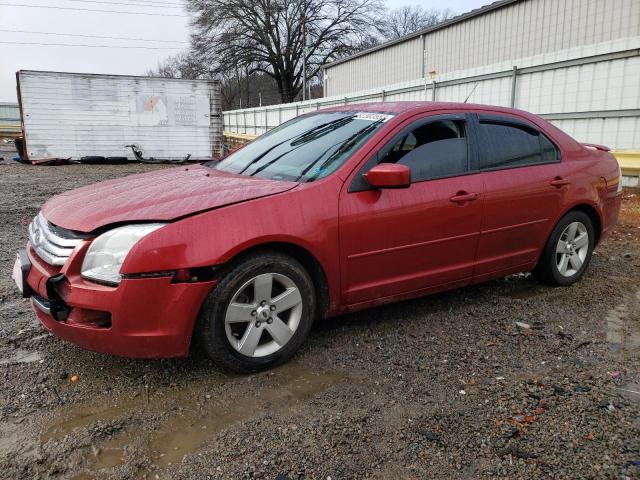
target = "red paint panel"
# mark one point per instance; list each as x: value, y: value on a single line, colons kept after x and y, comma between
x: 161, y: 195
x: 520, y: 207
x: 395, y: 241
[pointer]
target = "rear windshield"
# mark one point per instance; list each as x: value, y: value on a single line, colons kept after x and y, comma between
x: 304, y: 149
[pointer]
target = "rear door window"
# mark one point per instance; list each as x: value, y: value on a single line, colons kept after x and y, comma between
x: 510, y: 145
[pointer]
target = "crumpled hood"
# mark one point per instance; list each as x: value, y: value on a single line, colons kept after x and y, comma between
x: 161, y: 195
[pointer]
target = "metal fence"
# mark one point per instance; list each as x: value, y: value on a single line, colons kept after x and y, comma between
x: 591, y: 92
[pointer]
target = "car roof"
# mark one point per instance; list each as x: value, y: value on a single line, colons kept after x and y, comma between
x: 401, y: 107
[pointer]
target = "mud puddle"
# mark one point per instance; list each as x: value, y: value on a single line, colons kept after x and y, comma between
x: 623, y: 337
x: 623, y: 326
x: 193, y: 424
x: 83, y: 416
x: 21, y: 356
x: 183, y: 434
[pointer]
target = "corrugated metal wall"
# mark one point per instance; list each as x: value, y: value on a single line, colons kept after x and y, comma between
x: 593, y: 93
x: 395, y: 64
x: 76, y: 115
x: 522, y: 29
x: 9, y: 128
x: 9, y: 113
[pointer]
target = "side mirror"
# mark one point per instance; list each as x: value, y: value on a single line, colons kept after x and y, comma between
x: 389, y: 175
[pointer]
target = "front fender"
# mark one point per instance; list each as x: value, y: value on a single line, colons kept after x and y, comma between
x: 306, y: 217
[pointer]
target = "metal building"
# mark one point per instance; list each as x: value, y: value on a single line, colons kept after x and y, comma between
x: 573, y: 62
x: 502, y: 31
x: 9, y: 114
x: 9, y: 128
x: 73, y: 115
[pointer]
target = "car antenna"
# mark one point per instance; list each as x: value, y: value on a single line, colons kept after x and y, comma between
x: 471, y: 93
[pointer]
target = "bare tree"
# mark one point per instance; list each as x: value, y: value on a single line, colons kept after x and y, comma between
x: 238, y: 88
x: 409, y: 19
x: 268, y: 36
x: 182, y: 65
x: 256, y: 49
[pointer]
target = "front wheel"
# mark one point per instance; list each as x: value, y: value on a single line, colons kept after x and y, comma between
x: 567, y: 253
x: 259, y: 314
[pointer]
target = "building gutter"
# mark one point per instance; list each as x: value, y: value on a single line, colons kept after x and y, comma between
x: 420, y: 33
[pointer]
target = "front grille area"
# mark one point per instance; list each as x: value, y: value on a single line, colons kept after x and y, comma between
x: 52, y: 244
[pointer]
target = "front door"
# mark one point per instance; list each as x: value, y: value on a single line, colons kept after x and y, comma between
x: 407, y: 240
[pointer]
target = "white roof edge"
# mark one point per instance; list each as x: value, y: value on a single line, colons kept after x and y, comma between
x: 457, y: 19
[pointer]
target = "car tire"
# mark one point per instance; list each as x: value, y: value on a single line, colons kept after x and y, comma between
x: 238, y: 311
x: 567, y: 253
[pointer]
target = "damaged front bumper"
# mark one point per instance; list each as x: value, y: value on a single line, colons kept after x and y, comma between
x: 147, y: 317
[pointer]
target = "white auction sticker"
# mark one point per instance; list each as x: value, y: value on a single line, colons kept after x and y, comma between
x: 374, y: 117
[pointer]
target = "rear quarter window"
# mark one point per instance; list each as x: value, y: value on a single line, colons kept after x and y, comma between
x: 550, y: 152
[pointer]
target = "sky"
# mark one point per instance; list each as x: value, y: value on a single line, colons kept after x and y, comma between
x: 37, y: 38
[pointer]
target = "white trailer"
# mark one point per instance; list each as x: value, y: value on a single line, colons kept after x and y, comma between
x: 75, y: 115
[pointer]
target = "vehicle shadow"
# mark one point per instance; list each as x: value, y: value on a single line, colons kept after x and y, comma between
x: 452, y: 301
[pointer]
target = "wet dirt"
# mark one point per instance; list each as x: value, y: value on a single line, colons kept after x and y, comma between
x: 193, y: 421
x: 440, y: 387
x: 186, y: 433
x: 21, y: 356
x: 623, y: 326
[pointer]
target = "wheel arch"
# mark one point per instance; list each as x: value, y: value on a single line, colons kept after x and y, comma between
x: 593, y: 214
x: 586, y: 208
x: 302, y: 255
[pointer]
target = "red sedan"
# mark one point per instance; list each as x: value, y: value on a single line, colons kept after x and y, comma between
x: 333, y: 211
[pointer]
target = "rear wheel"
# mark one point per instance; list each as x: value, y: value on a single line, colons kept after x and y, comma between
x: 567, y: 253
x: 259, y: 314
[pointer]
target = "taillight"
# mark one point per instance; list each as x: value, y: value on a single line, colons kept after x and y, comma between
x: 619, y: 189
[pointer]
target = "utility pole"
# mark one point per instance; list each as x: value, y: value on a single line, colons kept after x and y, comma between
x: 307, y: 41
x: 304, y: 56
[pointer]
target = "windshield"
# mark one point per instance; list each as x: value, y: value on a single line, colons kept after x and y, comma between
x: 306, y: 148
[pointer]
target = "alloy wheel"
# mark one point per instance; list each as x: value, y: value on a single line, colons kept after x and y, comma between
x: 572, y: 249
x: 263, y: 315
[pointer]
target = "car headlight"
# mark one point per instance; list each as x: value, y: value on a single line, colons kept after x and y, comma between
x: 106, y: 253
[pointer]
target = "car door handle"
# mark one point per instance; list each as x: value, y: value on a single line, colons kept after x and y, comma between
x: 463, y: 197
x: 559, y: 182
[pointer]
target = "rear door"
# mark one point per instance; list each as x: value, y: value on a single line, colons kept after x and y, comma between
x: 396, y: 241
x: 524, y: 187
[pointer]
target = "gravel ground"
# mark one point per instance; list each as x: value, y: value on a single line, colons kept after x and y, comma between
x: 445, y: 386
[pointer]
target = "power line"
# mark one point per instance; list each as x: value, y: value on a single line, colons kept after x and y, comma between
x: 149, y: 4
x: 89, y: 46
x: 95, y: 10
x: 157, y: 1
x: 93, y: 36
x: 142, y: 2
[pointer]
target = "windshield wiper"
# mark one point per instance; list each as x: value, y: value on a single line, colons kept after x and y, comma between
x: 297, y: 141
x: 322, y: 130
x: 257, y: 159
x: 269, y: 163
x: 348, y: 143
